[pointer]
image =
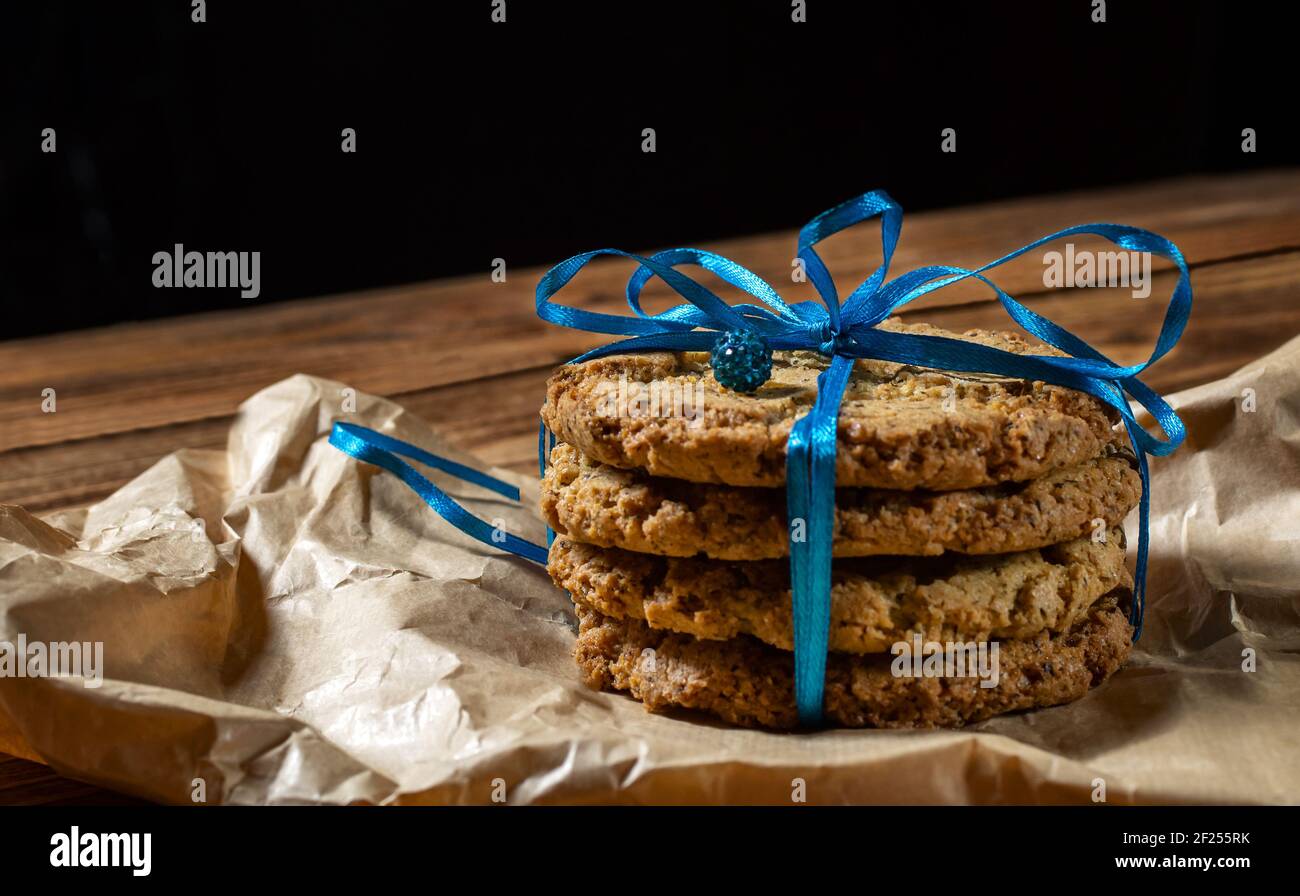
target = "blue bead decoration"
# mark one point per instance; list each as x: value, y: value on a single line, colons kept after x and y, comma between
x: 742, y: 360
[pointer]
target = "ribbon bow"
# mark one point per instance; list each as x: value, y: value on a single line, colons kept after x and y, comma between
x: 845, y: 331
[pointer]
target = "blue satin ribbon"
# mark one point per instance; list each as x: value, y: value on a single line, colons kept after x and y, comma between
x: 383, y: 451
x: 843, y: 331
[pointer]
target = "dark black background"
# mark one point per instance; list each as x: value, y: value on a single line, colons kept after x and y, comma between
x: 308, y: 848
x: 477, y: 140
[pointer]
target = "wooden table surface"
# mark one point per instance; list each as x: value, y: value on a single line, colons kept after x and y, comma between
x: 470, y: 356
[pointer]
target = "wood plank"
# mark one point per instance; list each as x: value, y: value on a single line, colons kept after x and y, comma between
x: 159, y: 373
x: 24, y: 783
x: 495, y: 418
x: 1242, y: 310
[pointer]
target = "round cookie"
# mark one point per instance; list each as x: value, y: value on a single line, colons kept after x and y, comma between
x: 748, y: 683
x: 875, y: 601
x: 603, y: 505
x: 900, y: 427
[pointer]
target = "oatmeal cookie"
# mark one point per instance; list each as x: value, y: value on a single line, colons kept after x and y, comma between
x: 746, y: 682
x: 607, y: 506
x: 900, y: 427
x: 875, y: 601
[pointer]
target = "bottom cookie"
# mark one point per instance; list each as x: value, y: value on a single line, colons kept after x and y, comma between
x: 746, y: 682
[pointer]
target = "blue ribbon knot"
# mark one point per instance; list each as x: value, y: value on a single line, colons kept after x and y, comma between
x: 844, y: 332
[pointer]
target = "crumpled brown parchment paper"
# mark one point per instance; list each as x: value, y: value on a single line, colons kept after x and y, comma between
x: 282, y: 624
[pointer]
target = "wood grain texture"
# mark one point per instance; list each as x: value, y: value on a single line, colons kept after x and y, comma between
x: 398, y: 341
x: 471, y: 357
x: 24, y: 783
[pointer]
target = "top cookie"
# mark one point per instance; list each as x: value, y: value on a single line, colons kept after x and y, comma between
x: 900, y: 427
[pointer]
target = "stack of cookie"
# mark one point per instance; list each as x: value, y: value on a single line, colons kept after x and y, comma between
x: 972, y: 511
